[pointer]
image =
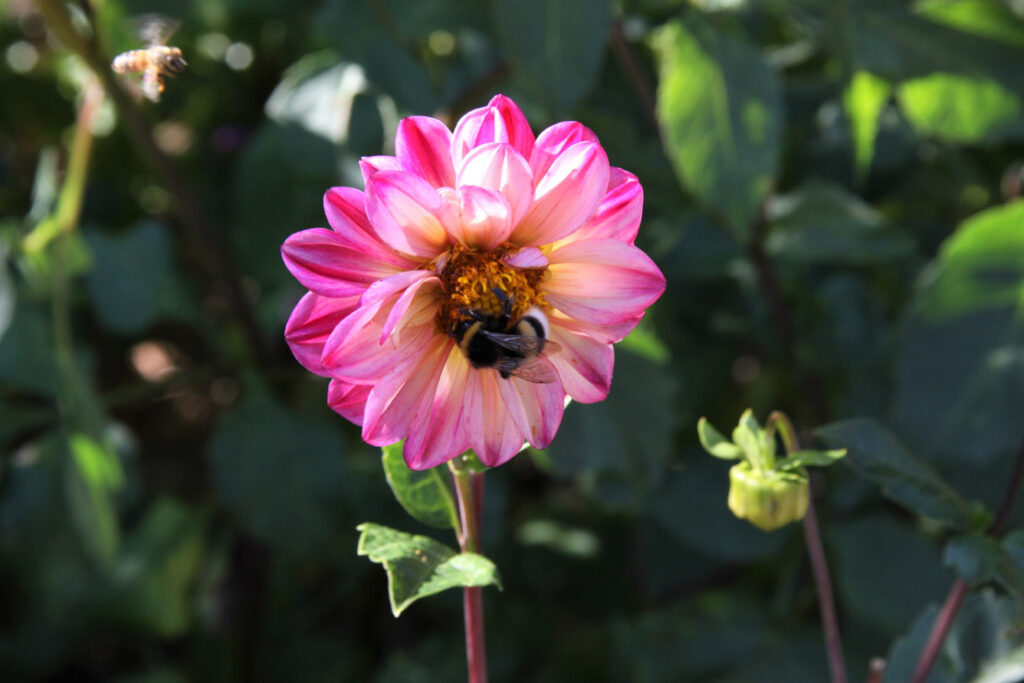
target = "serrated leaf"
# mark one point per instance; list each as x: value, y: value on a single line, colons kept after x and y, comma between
x: 720, y: 109
x: 716, y: 444
x: 810, y: 459
x: 426, y: 495
x: 863, y: 100
x: 556, y: 45
x: 418, y: 566
x: 875, y: 453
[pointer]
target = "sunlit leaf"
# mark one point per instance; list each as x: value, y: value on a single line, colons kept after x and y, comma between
x: 426, y: 495
x: 419, y: 566
x: 864, y: 98
x: 557, y: 45
x: 720, y: 111
x: 92, y: 478
x: 875, y: 453
x: 961, y: 108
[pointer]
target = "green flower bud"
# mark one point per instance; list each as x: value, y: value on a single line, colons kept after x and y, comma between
x: 768, y: 499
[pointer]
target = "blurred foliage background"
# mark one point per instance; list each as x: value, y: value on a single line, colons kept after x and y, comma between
x: 831, y: 190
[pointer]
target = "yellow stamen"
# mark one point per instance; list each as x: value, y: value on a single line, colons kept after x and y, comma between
x: 469, y: 278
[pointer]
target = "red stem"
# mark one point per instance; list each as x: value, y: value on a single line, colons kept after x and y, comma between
x: 826, y: 601
x: 469, y: 490
x: 940, y: 630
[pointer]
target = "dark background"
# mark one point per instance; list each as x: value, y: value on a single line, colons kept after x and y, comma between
x: 831, y: 196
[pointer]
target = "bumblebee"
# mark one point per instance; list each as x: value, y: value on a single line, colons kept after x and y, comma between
x: 512, y: 347
x: 154, y: 61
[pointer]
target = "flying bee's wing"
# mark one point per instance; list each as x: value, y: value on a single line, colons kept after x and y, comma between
x: 524, y: 344
x: 538, y: 369
x: 155, y: 29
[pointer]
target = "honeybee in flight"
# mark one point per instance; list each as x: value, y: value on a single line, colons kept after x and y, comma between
x: 156, y: 60
x: 512, y: 347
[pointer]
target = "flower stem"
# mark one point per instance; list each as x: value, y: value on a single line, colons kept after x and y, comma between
x: 819, y: 565
x: 469, y: 490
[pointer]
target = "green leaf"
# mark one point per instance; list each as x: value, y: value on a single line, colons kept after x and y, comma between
x: 961, y: 109
x: 555, y: 45
x: 876, y: 454
x: 131, y: 272
x: 425, y: 495
x: 716, y: 444
x: 282, y: 476
x: 810, y: 459
x: 975, y: 557
x: 1008, y: 668
x: 419, y: 566
x: 92, y: 478
x: 960, y: 374
x: 821, y: 223
x: 863, y: 100
x: 26, y: 353
x: 720, y: 109
x: 993, y: 19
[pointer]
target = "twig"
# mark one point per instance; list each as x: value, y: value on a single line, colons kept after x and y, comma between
x: 635, y: 73
x: 469, y: 493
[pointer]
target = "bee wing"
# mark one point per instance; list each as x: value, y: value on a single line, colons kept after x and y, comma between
x: 526, y: 344
x: 538, y: 370
x: 155, y: 29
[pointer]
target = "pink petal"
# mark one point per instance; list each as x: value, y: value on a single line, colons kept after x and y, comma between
x: 618, y: 216
x: 348, y: 400
x: 311, y: 323
x: 354, y: 351
x: 500, y: 167
x: 345, y: 208
x: 416, y: 306
x: 405, y: 211
x: 404, y: 394
x: 477, y: 217
x: 493, y: 433
x: 584, y: 364
x: 423, y: 146
x: 566, y: 196
x: 602, y: 282
x: 324, y: 264
x: 442, y: 435
x: 527, y: 257
x: 536, y: 408
x: 608, y: 333
x: 555, y: 140
x: 500, y: 121
x: 371, y: 166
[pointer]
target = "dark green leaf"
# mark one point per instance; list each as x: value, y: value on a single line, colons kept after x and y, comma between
x: 821, y: 223
x: 975, y: 557
x: 960, y: 377
x: 426, y: 495
x: 26, y: 352
x: 130, y: 274
x: 720, y: 110
x: 419, y: 566
x: 906, y: 651
x: 281, y: 475
x: 556, y: 45
x: 716, y: 444
x: 875, y: 453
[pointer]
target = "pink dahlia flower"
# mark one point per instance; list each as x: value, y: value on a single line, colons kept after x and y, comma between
x: 479, y: 279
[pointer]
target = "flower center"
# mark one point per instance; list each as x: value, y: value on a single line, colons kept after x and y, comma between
x: 471, y: 281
